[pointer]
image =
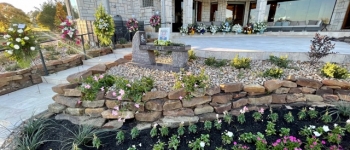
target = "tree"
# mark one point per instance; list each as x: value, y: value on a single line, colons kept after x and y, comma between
x: 60, y: 14
x: 46, y: 17
x: 10, y: 15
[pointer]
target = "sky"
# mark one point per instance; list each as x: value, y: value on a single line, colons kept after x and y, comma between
x: 25, y: 5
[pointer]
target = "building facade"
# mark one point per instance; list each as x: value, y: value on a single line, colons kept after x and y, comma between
x: 176, y: 13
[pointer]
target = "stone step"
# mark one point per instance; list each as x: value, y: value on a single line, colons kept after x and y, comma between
x: 122, y: 51
x: 60, y: 77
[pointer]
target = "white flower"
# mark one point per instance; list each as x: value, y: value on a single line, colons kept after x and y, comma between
x: 9, y: 51
x: 229, y: 134
x: 217, y: 116
x: 312, y: 127
x: 6, y: 36
x: 155, y: 125
x: 311, y: 108
x: 20, y: 31
x: 348, y: 121
x: 18, y: 39
x: 70, y: 33
x: 242, y: 111
x: 140, y: 144
x: 8, y: 43
x: 65, y: 28
x: 32, y: 48
x: 202, y: 144
x: 10, y: 29
x: 317, y: 134
x: 16, y: 46
x: 26, y: 38
x: 15, y: 25
x: 335, y: 125
x: 325, y: 128
x: 63, y: 23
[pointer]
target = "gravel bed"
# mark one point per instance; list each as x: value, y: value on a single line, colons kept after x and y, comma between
x: 164, y: 80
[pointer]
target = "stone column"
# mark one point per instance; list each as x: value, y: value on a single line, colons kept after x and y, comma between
x: 205, y: 10
x: 338, y: 15
x: 261, y: 8
x: 169, y: 14
x: 105, y: 4
x: 246, y: 13
x: 221, y: 13
x: 187, y: 12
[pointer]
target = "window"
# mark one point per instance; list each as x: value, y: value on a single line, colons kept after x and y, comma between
x: 147, y: 3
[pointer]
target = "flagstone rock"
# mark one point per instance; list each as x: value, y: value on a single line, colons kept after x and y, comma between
x: 222, y: 99
x: 231, y: 87
x: 202, y: 109
x: 222, y: 108
x: 98, y: 69
x: 322, y: 92
x: 279, y: 98
x: 156, y: 105
x: 79, y: 77
x: 174, y: 121
x: 113, y: 124
x: 309, y: 83
x: 72, y: 92
x: 264, y: 100
x: 289, y: 84
x: 175, y: 94
x: 94, y: 122
x: 56, y: 108
x: 196, y: 101
x: 254, y: 89
x: 239, y: 103
x: 198, y: 92
x: 330, y: 87
x: 154, y: 95
x: 343, y: 94
x: 148, y: 116
x: 290, y: 78
x: 143, y: 126
x: 292, y: 98
x: 213, y: 90
x: 272, y: 85
x: 67, y: 101
x: 336, y: 83
x: 73, y: 119
x: 313, y: 98
x: 121, y: 114
x: 307, y: 90
x: 75, y: 111
x: 94, y: 112
x: 330, y: 97
x: 111, y: 103
x: 60, y: 87
x: 282, y: 90
x: 239, y: 95
x: 93, y: 104
x: 295, y: 90
x: 179, y: 112
x: 207, y: 117
x: 172, y: 104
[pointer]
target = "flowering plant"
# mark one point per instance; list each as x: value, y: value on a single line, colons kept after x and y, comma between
x: 227, y: 137
x: 201, y: 28
x: 241, y: 117
x: 225, y: 27
x: 237, y: 28
x: 260, y: 143
x: 154, y: 21
x: 190, y: 82
x: 287, y: 142
x: 20, y: 44
x: 183, y: 30
x: 200, y: 143
x: 214, y: 28
x: 132, y: 24
x: 103, y: 26
x: 68, y: 31
x: 313, y: 143
x: 260, y: 26
x: 92, y: 85
x: 239, y: 146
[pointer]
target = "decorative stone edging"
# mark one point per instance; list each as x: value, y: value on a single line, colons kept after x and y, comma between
x: 166, y: 107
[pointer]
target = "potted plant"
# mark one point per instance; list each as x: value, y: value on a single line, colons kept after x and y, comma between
x: 237, y: 28
x: 225, y: 27
x: 213, y: 29
x: 260, y: 27
x: 201, y: 28
x: 183, y: 30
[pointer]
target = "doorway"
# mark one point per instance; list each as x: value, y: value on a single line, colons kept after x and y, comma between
x: 346, y: 23
x: 235, y: 13
x: 178, y: 15
x: 213, y: 10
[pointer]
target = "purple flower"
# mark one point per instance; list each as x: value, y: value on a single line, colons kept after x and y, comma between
x: 137, y: 105
x: 234, y: 143
x: 323, y: 142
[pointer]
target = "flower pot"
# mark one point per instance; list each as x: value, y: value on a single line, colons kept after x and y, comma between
x: 261, y: 31
x: 183, y: 34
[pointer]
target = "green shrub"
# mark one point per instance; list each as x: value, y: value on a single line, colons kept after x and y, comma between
x: 156, y: 53
x: 239, y: 63
x: 279, y: 61
x: 273, y: 72
x: 191, y: 55
x: 12, y: 67
x: 122, y: 41
x: 211, y: 61
x: 334, y: 71
x: 190, y: 81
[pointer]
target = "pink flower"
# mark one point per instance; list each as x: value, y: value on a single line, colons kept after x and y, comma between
x: 261, y: 110
x: 128, y: 85
x: 188, y: 73
x: 323, y: 142
x: 120, y: 119
x: 121, y: 92
x: 79, y: 101
x: 114, y: 113
x: 195, y: 85
x: 234, y: 143
x: 102, y: 88
x: 245, y: 108
x: 315, y: 143
x: 219, y: 121
x: 101, y: 76
x: 87, y: 86
x: 95, y: 78
x: 183, y: 85
x: 143, y: 94
x: 114, y: 94
x: 119, y: 97
x: 116, y: 107
x: 137, y: 105
x: 180, y: 97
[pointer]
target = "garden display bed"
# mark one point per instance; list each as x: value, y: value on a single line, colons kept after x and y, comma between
x: 144, y: 141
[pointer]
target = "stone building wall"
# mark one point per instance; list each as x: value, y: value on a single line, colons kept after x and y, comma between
x: 339, y: 14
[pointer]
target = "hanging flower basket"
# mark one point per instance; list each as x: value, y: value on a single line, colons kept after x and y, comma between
x: 154, y: 21
x: 132, y: 25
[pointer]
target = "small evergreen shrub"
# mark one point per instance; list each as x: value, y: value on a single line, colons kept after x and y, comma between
x: 239, y: 63
x: 273, y: 72
x: 122, y: 41
x: 332, y: 70
x: 211, y: 61
x: 156, y: 53
x: 320, y: 47
x: 191, y: 55
x: 279, y: 61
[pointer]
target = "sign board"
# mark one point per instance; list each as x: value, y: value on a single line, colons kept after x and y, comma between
x: 164, y: 34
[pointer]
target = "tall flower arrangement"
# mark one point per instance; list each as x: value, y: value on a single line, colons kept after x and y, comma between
x: 260, y: 26
x: 201, y: 28
x: 155, y: 21
x: 183, y: 30
x: 103, y: 26
x: 214, y: 29
x: 21, y: 45
x: 68, y: 31
x: 237, y: 28
x: 225, y: 27
x: 132, y: 25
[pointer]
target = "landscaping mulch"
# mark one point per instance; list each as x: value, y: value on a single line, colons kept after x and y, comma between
x: 59, y: 133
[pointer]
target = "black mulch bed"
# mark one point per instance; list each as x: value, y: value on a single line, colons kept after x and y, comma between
x: 57, y: 132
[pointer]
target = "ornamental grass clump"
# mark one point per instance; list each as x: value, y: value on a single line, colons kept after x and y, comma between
x: 190, y: 82
x: 321, y: 46
x: 21, y: 45
x: 239, y: 63
x: 103, y: 26
x: 332, y: 70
